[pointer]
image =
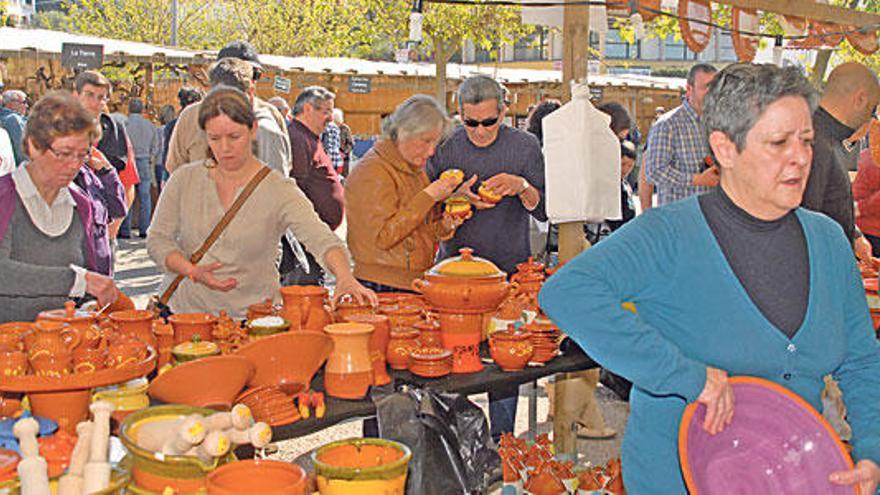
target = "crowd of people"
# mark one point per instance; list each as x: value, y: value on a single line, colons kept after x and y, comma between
x: 746, y: 266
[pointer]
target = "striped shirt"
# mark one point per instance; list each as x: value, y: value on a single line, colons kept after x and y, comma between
x: 676, y: 148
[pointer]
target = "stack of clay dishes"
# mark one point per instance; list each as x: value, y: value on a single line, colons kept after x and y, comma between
x: 430, y: 362
x: 545, y: 339
x: 270, y: 405
x: 212, y: 382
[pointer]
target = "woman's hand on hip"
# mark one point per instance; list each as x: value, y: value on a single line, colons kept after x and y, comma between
x: 102, y: 287
x: 204, y: 274
x: 866, y: 475
x: 717, y: 396
x: 350, y: 285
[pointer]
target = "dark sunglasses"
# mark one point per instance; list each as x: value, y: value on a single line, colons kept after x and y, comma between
x: 484, y: 122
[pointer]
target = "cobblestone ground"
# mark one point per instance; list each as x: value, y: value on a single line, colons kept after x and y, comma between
x: 139, y: 278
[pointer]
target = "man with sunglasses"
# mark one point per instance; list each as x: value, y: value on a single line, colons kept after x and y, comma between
x: 510, y: 162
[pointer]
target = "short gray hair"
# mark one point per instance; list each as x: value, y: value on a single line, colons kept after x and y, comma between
x: 135, y: 105
x: 13, y: 96
x: 740, y: 93
x: 479, y: 88
x: 314, y: 96
x: 417, y: 114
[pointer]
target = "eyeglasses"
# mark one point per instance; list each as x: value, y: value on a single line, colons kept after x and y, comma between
x: 67, y: 156
x: 484, y: 122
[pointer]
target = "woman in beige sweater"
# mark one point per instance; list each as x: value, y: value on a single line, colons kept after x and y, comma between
x: 239, y: 269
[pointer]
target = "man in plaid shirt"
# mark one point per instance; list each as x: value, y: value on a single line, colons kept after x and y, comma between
x: 677, y: 145
x: 331, y: 140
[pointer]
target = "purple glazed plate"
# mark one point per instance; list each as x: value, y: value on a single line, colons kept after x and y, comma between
x: 776, y: 444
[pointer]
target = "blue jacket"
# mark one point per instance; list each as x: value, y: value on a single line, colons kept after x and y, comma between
x: 694, y: 313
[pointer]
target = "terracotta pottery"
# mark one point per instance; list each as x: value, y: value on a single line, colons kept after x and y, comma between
x: 89, y: 360
x: 462, y: 334
x: 349, y: 370
x: 361, y: 466
x: 8, y: 463
x: 348, y: 306
x: 13, y: 363
x: 84, y: 321
x: 164, y: 341
x: 208, y: 382
x: 128, y: 397
x: 396, y: 298
x: 431, y: 362
x: 154, y: 473
x: 464, y: 284
x: 378, y: 344
x: 511, y: 350
x: 429, y: 333
x: 51, y: 365
x: 12, y: 335
x: 287, y: 358
x: 188, y: 325
x: 305, y: 307
x: 402, y: 342
x: 270, y: 405
x: 137, y: 323
x: 457, y: 206
x: 261, y: 309
x: 66, y: 408
x: 50, y: 338
x: 190, y: 351
x: 56, y: 449
x: 403, y: 315
x: 262, y: 476
x: 259, y: 331
x: 126, y: 352
x: 9, y: 408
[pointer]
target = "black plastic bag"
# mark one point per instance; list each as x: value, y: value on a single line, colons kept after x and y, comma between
x: 452, y: 452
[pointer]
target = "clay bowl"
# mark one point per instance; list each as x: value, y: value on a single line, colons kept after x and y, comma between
x: 257, y: 476
x: 259, y: 329
x: 208, y: 382
x: 188, y: 325
x: 287, y: 358
x: 361, y: 465
x: 792, y: 450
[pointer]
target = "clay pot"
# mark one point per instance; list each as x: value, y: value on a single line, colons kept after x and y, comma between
x: 378, y: 344
x: 196, y: 383
x: 12, y: 335
x: 403, y: 315
x: 287, y: 358
x: 431, y: 362
x: 155, y: 473
x: 348, y: 306
x: 305, y: 307
x: 511, y: 350
x: 361, y: 465
x: 11, y: 342
x: 258, y: 331
x: 126, y: 352
x: 89, y: 360
x: 190, y: 351
x: 188, y: 325
x: 531, y: 266
x: 261, y: 309
x: 84, y: 321
x: 51, y: 365
x: 13, y: 363
x: 429, y: 333
x: 403, y: 341
x: 464, y: 284
x: 258, y: 476
x: 164, y: 342
x: 136, y: 323
x: 51, y: 337
x: 349, y: 371
x: 462, y: 333
x: 387, y: 299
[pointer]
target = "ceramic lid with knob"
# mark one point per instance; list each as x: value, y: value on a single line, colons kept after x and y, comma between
x: 467, y: 266
x: 68, y: 314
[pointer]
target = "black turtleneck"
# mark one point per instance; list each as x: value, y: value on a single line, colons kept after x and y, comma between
x: 768, y: 257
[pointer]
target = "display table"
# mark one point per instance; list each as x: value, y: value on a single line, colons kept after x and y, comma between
x: 572, y: 359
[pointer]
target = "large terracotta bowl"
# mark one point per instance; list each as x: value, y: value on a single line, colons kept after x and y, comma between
x: 465, y: 284
x: 361, y: 465
x: 258, y: 476
x: 288, y: 358
x: 212, y: 382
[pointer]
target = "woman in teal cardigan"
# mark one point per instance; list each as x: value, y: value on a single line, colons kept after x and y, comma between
x: 739, y: 281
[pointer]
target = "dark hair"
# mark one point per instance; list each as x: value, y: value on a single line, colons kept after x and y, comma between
x: 135, y: 105
x: 314, y: 96
x: 628, y: 149
x: 91, y: 78
x: 58, y: 114
x: 232, y: 72
x: 188, y: 95
x: 620, y: 119
x: 696, y: 68
x: 228, y: 101
x: 740, y: 93
x: 541, y: 110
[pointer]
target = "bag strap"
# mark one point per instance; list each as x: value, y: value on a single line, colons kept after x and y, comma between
x: 218, y: 229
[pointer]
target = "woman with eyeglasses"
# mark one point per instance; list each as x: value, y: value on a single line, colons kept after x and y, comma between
x: 737, y: 281
x: 393, y: 209
x: 47, y: 248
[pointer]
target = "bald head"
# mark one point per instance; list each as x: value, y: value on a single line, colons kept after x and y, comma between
x: 851, y: 94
